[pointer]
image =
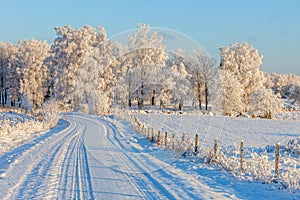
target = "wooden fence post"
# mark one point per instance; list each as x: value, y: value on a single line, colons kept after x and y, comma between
x: 148, y: 135
x: 242, y: 157
x: 173, y: 141
x: 215, y: 146
x: 17, y: 119
x: 196, y: 143
x: 158, y: 138
x: 23, y: 119
x: 3, y: 118
x: 166, y: 139
x: 277, y: 159
x: 10, y: 121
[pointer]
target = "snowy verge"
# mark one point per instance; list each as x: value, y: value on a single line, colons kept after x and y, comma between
x: 14, y: 134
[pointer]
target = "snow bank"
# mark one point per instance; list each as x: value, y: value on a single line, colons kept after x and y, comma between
x: 17, y: 133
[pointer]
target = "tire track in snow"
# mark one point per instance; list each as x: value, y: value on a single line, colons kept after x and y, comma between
x: 163, y: 178
x: 134, y: 182
x: 143, y: 179
x: 47, y: 174
x: 29, y: 160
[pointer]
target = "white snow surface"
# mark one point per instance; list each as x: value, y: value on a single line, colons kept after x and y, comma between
x: 256, y: 133
x: 103, y: 158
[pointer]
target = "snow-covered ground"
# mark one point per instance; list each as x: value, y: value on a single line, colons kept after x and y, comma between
x: 103, y: 158
x: 16, y: 133
x: 259, y: 136
x: 256, y: 133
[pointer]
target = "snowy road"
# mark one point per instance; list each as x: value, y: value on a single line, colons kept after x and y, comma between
x: 96, y: 159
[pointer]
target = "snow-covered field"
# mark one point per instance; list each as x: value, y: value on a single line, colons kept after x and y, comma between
x: 259, y: 136
x: 256, y: 133
x: 88, y: 157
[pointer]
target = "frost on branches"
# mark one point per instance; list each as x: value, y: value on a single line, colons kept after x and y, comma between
x: 84, y: 70
x: 146, y: 56
x: 243, y: 61
x: 201, y: 67
x: 246, y: 88
x: 70, y: 49
x: 33, y: 85
x: 98, y: 76
x: 230, y: 90
x: 265, y: 103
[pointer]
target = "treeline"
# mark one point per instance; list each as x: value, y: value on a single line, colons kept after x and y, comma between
x: 85, y: 70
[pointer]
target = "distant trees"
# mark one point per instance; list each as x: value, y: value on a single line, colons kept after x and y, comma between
x: 265, y: 103
x: 85, y: 70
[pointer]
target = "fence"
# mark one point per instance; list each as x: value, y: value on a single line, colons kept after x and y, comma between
x: 10, y: 119
x: 266, y: 166
x: 14, y: 120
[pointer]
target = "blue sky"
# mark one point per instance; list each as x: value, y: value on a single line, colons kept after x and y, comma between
x: 271, y: 26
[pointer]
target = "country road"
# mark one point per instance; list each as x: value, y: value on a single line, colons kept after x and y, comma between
x: 94, y: 158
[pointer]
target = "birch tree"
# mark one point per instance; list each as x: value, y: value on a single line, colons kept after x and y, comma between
x: 7, y: 51
x: 147, y: 55
x: 201, y: 67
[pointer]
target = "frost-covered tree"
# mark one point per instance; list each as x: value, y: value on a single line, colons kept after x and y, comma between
x: 265, y: 103
x: 174, y: 85
x: 201, y: 68
x: 292, y: 94
x: 146, y: 56
x: 228, y: 92
x: 244, y: 62
x: 68, y: 53
x: 7, y: 52
x: 33, y: 84
x: 98, y: 75
x: 13, y: 76
x: 178, y: 69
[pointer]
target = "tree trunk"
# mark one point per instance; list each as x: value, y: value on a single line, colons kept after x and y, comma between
x: 180, y: 104
x: 162, y: 105
x: 2, y: 98
x: 206, y: 96
x: 5, y: 97
x: 34, y: 105
x: 129, y: 102
x: 199, y: 96
x: 12, y: 103
x: 129, y: 91
x: 153, y: 98
x: 141, y: 98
